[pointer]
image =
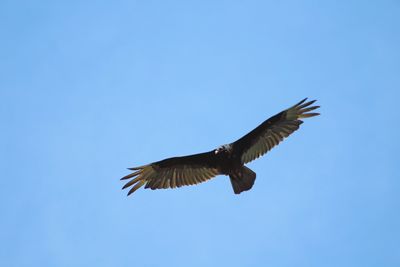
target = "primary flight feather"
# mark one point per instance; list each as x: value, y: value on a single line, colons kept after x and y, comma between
x: 226, y: 160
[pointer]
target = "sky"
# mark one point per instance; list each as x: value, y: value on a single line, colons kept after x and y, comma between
x: 89, y: 88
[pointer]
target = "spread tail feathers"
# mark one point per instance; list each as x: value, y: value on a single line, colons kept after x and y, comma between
x: 242, y: 179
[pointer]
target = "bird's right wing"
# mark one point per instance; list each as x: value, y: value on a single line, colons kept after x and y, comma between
x: 174, y: 172
x: 272, y: 131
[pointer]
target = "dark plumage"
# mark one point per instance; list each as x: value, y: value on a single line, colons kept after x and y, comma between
x: 227, y: 160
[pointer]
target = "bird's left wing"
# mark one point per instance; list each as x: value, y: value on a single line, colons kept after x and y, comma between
x: 174, y: 172
x: 272, y: 131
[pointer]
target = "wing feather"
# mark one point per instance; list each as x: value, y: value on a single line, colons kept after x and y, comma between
x: 174, y: 172
x: 273, y: 131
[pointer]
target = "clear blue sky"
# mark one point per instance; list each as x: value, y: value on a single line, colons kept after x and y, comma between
x: 89, y: 88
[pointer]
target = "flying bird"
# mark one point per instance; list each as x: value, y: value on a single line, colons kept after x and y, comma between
x: 229, y: 159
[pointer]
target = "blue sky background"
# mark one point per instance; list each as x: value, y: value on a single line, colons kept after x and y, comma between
x: 89, y: 88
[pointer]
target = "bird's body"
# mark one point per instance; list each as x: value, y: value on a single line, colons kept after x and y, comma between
x: 228, y: 159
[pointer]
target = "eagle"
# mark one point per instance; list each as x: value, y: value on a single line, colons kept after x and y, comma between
x: 229, y: 159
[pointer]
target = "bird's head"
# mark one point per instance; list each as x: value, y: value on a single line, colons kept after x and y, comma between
x: 223, y: 149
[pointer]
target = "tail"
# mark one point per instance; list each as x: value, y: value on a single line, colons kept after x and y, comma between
x: 242, y: 179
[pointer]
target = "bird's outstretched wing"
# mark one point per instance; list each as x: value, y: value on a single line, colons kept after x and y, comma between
x: 173, y: 172
x: 272, y: 131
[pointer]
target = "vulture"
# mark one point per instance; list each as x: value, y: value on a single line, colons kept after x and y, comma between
x: 229, y: 159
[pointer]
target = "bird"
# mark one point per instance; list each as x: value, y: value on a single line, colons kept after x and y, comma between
x: 228, y: 160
